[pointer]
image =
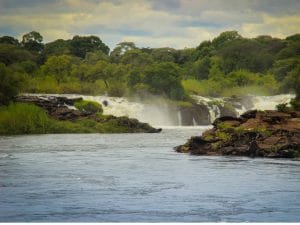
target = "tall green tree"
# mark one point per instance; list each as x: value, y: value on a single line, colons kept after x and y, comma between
x: 164, y: 78
x: 80, y: 45
x: 225, y: 38
x: 57, y: 47
x: 10, y: 84
x: 9, y: 40
x: 121, y: 49
x: 10, y: 54
x: 60, y: 67
x: 32, y: 41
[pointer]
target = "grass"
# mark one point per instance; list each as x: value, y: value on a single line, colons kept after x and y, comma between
x: 214, y: 88
x: 21, y: 118
x: 24, y: 118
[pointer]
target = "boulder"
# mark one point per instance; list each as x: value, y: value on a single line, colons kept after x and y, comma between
x: 196, y: 113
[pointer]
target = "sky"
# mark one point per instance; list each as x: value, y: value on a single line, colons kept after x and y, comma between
x: 149, y: 23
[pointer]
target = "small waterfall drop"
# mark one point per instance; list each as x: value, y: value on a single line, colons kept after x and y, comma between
x: 179, y: 118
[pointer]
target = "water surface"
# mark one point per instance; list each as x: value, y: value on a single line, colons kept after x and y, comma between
x: 139, y: 178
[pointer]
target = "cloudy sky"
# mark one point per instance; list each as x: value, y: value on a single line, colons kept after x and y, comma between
x: 149, y: 23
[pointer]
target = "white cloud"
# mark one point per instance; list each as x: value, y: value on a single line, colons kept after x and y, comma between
x: 274, y: 26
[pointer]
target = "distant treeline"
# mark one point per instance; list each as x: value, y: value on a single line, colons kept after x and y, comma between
x: 227, y: 65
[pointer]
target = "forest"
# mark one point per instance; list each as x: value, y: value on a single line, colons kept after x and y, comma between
x: 227, y: 65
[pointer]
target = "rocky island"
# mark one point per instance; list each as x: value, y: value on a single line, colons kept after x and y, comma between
x: 255, y: 133
x: 51, y: 114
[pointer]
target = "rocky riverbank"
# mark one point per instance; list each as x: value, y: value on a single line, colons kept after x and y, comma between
x: 255, y: 133
x: 63, y: 109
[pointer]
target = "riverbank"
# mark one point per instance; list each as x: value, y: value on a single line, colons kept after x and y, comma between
x: 255, y: 133
x: 38, y: 115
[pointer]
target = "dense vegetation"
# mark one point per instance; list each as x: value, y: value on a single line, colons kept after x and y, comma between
x: 227, y: 65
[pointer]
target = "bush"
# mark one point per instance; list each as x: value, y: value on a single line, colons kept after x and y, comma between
x: 282, y: 107
x: 89, y: 106
x: 21, y: 118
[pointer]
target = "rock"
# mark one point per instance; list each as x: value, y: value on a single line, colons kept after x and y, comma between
x: 196, y: 113
x: 64, y: 113
x: 255, y: 134
x: 227, y: 110
x: 105, y: 103
x: 249, y: 114
x: 234, y: 120
x: 56, y: 107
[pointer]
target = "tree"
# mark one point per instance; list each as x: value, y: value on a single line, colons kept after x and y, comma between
x: 292, y: 48
x: 10, y: 54
x: 32, y: 41
x: 59, y: 67
x: 97, y: 71
x: 282, y: 67
x: 58, y: 47
x: 9, y: 40
x: 163, y: 54
x: 201, y: 68
x: 80, y: 45
x: 164, y: 78
x: 245, y: 54
x: 271, y: 45
x: 121, y: 49
x: 136, y: 57
x: 10, y: 84
x: 186, y: 55
x: 225, y: 38
x: 292, y: 81
x: 93, y: 57
x: 205, y: 49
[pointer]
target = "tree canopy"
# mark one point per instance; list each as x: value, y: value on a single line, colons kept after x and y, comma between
x: 229, y: 64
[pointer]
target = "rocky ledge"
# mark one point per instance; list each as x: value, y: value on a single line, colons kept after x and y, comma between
x: 62, y: 108
x: 255, y: 133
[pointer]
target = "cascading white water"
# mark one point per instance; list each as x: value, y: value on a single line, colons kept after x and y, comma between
x: 270, y: 102
x: 159, y: 113
x: 214, y: 111
x: 155, y: 113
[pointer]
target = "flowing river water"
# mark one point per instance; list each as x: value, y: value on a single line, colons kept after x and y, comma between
x: 139, y: 178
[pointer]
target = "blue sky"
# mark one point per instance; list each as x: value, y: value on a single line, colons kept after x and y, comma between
x: 149, y: 23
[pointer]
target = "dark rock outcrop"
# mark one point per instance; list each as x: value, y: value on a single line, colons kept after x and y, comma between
x: 196, y: 114
x: 256, y: 134
x: 56, y: 107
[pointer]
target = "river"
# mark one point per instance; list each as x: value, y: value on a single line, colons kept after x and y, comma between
x: 139, y: 178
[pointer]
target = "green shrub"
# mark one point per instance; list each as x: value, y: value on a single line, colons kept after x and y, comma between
x: 89, y: 106
x: 21, y: 118
x: 282, y: 107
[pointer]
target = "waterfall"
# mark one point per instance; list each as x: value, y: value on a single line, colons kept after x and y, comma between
x: 160, y: 113
x: 179, y: 118
x: 270, y: 102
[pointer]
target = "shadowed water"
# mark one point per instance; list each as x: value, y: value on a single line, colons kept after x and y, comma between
x: 139, y: 177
